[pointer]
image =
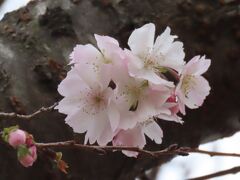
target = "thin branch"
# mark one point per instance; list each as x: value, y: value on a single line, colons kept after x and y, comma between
x: 102, y: 149
x: 217, y: 174
x: 171, y: 150
x: 212, y: 153
x: 29, y: 116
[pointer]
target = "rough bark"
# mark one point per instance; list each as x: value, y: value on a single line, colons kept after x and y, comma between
x: 36, y: 40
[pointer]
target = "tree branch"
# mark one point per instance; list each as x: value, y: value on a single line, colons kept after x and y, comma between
x: 171, y: 150
x: 212, y: 153
x: 29, y: 116
x: 217, y: 174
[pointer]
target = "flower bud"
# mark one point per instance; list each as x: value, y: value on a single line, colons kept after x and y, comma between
x: 29, y: 140
x: 29, y: 158
x: 16, y: 138
x: 172, y: 98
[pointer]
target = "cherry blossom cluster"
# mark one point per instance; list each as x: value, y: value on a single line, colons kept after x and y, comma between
x: 23, y: 142
x: 116, y: 95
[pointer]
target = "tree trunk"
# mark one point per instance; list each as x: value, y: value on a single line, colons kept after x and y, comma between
x: 35, y: 43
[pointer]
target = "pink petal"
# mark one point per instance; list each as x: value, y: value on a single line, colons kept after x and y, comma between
x: 141, y: 40
x: 29, y: 159
x: 132, y: 137
x: 128, y: 120
x: 152, y: 77
x: 68, y: 105
x: 72, y: 85
x: 106, y: 136
x: 81, y: 53
x: 16, y: 138
x: 197, y: 94
x: 197, y: 66
x: 103, y: 42
x: 114, y: 116
x: 182, y: 107
x: 163, y: 42
x: 79, y: 121
x: 175, y: 57
x: 110, y: 50
x: 100, y: 130
x: 181, y: 96
x: 153, y: 131
x: 168, y: 53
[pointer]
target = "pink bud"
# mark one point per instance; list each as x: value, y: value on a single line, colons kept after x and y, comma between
x: 174, y: 109
x: 172, y: 98
x: 16, y: 138
x: 29, y: 141
x: 30, y: 158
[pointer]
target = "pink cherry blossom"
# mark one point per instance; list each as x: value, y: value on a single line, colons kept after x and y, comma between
x: 92, y: 61
x: 135, y: 137
x: 16, y: 138
x: 30, y: 158
x: 117, y: 95
x: 137, y: 99
x: 149, y: 58
x: 88, y: 106
x: 193, y: 88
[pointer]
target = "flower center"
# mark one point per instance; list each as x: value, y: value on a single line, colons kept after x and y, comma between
x: 133, y: 93
x: 94, y: 103
x: 148, y: 63
x: 148, y: 121
x: 187, y: 84
x: 151, y: 62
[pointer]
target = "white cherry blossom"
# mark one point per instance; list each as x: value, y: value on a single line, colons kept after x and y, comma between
x: 148, y: 58
x: 115, y: 95
x: 89, y: 107
x: 193, y: 88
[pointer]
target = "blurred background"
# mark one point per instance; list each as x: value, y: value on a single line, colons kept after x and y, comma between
x: 205, y: 27
x: 197, y: 165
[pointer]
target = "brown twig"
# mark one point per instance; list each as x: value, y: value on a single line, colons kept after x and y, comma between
x: 217, y: 174
x: 102, y: 149
x: 172, y: 150
x: 29, y: 116
x: 212, y: 153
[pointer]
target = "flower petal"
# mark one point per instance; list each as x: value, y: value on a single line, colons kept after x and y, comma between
x: 110, y: 49
x: 68, y: 86
x: 68, y: 104
x: 131, y: 137
x: 198, y: 93
x: 113, y: 115
x: 100, y: 129
x: 168, y: 53
x: 79, y: 121
x: 141, y: 40
x: 103, y: 41
x: 197, y: 66
x: 152, y: 77
x: 163, y: 42
x: 83, y: 53
x: 175, y: 57
x: 153, y: 131
x: 106, y: 136
x: 88, y: 61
